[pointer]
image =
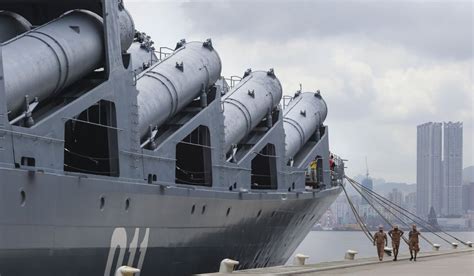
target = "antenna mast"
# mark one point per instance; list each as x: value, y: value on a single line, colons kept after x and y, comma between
x: 367, y: 167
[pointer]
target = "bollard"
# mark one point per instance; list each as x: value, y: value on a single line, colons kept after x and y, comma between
x: 469, y: 243
x: 350, y: 254
x: 227, y: 266
x: 388, y: 250
x: 436, y: 246
x: 455, y: 245
x: 300, y: 259
x: 126, y: 271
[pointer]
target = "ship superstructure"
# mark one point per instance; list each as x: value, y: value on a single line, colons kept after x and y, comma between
x: 113, y: 152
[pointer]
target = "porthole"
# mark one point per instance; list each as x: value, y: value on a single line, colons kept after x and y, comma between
x: 22, y: 198
x: 127, y: 204
x: 102, y: 203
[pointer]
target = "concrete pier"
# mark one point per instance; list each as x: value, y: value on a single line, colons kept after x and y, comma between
x: 448, y: 262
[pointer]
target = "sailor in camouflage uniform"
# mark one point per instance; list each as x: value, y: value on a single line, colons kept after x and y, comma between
x: 380, y: 240
x: 396, y: 235
x: 413, y: 242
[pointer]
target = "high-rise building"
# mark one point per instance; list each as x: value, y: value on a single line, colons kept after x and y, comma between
x: 471, y: 197
x: 395, y: 196
x: 428, y: 168
x: 439, y: 168
x: 410, y: 202
x: 468, y: 197
x: 368, y: 183
x: 452, y: 168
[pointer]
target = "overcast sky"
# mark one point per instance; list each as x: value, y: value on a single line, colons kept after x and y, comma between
x: 383, y: 67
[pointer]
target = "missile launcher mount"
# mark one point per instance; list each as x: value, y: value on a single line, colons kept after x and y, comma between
x: 113, y: 153
x: 11, y: 25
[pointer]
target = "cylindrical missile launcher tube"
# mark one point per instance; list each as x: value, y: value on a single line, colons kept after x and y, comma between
x: 142, y: 52
x: 245, y: 106
x: 167, y: 87
x: 142, y: 58
x: 302, y: 117
x: 45, y: 60
x: 11, y: 25
x: 127, y: 29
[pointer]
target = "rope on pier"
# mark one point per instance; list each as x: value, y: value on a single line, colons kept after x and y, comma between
x: 385, y: 202
x: 358, y: 189
x: 391, y: 207
x: 363, y: 227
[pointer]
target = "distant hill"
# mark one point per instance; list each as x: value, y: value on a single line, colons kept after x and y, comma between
x: 382, y: 187
x: 385, y: 188
x: 468, y: 174
x: 376, y: 181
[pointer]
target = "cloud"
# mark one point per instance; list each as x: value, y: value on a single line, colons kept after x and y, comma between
x: 440, y: 29
x: 383, y: 68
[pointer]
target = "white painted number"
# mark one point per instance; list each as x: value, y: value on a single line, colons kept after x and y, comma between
x: 119, y: 240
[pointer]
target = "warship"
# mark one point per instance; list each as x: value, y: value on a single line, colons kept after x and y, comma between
x: 116, y: 152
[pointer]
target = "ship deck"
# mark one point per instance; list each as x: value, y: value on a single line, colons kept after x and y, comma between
x: 446, y: 262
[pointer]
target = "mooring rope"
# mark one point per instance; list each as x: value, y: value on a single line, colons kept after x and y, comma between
x: 404, y: 212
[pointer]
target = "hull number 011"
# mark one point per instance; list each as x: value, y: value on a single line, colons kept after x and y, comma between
x: 119, y: 241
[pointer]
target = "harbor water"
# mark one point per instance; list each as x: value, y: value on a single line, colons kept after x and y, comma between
x: 323, y: 246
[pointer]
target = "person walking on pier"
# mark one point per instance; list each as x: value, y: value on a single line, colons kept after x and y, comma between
x: 413, y: 242
x: 380, y: 240
x: 395, y: 234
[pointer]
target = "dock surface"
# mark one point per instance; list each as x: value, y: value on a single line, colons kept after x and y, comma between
x: 448, y: 262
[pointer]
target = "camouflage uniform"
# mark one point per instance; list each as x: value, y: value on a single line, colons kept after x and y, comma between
x: 413, y: 241
x: 380, y: 239
x: 396, y: 235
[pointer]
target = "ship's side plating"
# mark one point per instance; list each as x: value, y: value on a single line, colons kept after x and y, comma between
x: 83, y: 190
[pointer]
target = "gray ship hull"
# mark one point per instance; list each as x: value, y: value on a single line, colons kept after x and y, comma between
x: 60, y: 226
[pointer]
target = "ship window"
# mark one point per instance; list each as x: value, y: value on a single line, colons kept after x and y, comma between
x: 264, y: 174
x: 193, y: 158
x: 90, y: 141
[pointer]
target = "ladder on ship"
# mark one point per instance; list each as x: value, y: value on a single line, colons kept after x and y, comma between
x: 384, y: 207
